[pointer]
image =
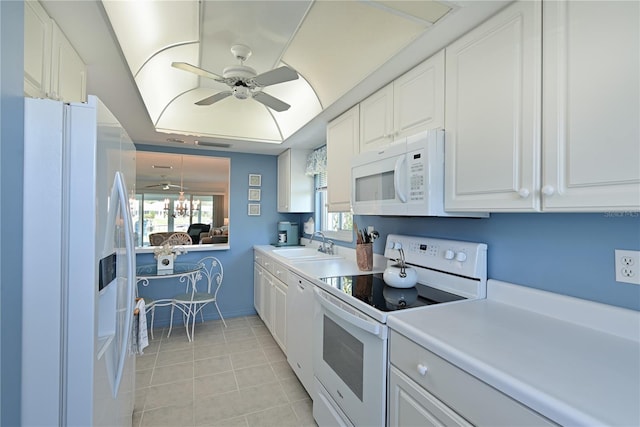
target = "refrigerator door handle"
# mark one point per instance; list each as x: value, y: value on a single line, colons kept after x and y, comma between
x: 119, y: 187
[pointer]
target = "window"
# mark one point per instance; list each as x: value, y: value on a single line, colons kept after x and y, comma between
x: 336, y: 225
x: 160, y: 213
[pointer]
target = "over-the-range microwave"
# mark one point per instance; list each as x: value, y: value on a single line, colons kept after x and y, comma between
x: 406, y: 178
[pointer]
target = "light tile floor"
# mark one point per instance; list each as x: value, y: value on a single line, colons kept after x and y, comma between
x: 233, y: 376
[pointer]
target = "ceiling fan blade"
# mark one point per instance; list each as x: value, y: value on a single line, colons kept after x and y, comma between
x: 278, y: 75
x: 197, y: 70
x: 214, y: 98
x: 271, y: 102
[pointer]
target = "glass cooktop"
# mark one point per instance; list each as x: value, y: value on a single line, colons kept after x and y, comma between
x: 372, y: 290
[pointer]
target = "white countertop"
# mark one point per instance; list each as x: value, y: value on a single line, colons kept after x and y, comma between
x: 344, y: 266
x: 570, y: 372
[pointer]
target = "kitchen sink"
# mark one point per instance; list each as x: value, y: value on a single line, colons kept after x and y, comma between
x: 303, y: 254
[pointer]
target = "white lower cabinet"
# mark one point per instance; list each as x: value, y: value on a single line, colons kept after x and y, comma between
x: 270, y: 296
x: 425, y: 389
x: 411, y: 405
x: 300, y: 317
x: 285, y: 303
x: 258, y: 278
x: 279, y: 310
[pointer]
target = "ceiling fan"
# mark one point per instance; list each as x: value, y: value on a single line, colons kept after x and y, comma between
x: 243, y: 81
x: 166, y: 185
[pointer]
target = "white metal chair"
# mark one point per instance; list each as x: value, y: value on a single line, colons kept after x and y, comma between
x: 194, y: 300
x: 179, y: 238
x: 150, y: 304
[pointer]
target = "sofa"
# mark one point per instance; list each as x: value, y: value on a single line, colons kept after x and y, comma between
x: 215, y: 235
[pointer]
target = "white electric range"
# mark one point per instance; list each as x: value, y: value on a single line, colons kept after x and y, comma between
x: 350, y: 332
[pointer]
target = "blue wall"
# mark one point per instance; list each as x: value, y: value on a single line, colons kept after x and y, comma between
x: 236, y: 293
x: 11, y: 160
x: 571, y: 254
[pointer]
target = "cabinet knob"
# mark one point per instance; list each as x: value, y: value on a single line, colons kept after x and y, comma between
x: 422, y: 369
x: 524, y: 193
x: 548, y: 190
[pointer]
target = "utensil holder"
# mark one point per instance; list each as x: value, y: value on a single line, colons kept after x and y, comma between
x: 364, y: 256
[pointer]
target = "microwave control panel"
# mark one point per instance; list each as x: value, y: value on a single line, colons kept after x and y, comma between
x: 417, y: 175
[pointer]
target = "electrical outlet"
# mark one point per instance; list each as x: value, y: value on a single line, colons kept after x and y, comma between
x: 627, y: 266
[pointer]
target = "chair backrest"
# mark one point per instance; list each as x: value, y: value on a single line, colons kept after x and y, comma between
x: 157, y: 239
x: 179, y: 238
x: 213, y: 272
x: 195, y: 229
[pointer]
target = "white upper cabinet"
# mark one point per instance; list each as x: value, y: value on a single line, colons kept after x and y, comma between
x: 418, y: 97
x: 37, y: 50
x: 591, y: 106
x: 342, y: 146
x: 295, y: 189
x: 376, y: 119
x: 68, y: 72
x: 410, y: 104
x: 52, y: 67
x: 492, y: 149
x: 573, y: 148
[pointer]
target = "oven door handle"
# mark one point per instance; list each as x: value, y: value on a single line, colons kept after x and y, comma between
x: 369, y: 327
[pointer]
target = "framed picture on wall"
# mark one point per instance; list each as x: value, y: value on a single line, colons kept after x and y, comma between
x: 254, y: 209
x: 254, y: 194
x: 255, y: 180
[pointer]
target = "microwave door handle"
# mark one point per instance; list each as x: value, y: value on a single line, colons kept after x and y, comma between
x: 397, y: 183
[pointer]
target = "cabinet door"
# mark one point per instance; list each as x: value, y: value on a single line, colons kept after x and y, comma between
x: 295, y: 189
x: 37, y: 50
x: 492, y: 148
x: 68, y: 72
x: 342, y: 145
x: 591, y: 106
x: 284, y: 181
x: 376, y: 119
x: 258, y: 277
x: 411, y: 405
x: 280, y: 313
x: 268, y: 303
x: 419, y: 98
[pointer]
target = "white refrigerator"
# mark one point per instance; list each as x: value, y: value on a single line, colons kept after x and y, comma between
x: 78, y: 366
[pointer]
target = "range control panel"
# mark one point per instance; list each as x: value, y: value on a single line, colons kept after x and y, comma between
x: 467, y: 259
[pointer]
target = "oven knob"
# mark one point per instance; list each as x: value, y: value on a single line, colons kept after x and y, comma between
x: 461, y: 256
x: 449, y: 254
x: 394, y: 245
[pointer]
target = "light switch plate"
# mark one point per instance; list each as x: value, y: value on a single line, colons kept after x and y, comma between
x: 627, y: 266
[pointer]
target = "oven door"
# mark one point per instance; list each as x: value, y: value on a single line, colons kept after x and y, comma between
x: 350, y: 360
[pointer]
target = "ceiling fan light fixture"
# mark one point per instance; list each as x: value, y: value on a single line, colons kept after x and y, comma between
x: 241, y: 92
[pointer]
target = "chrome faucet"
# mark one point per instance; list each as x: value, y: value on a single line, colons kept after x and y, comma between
x: 323, y: 246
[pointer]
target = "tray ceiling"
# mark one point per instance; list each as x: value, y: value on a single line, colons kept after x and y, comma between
x: 333, y: 45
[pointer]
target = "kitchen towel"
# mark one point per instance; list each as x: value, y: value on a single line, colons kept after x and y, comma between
x: 140, y: 329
